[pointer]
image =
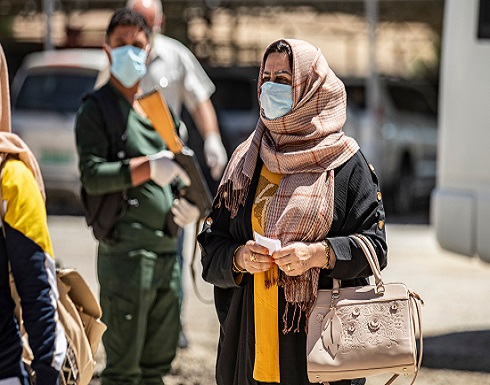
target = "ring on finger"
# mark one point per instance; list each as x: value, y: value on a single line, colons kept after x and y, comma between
x: 288, y: 267
x: 252, y: 257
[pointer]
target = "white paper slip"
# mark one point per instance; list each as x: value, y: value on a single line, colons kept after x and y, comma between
x: 271, y: 244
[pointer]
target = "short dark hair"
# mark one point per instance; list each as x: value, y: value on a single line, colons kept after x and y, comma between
x: 280, y: 46
x: 127, y: 16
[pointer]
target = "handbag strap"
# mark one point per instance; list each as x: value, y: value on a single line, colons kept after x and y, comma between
x: 414, y: 299
x: 370, y: 254
x: 415, y: 304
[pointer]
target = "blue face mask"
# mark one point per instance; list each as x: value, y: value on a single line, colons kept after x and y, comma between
x: 128, y: 64
x: 276, y: 99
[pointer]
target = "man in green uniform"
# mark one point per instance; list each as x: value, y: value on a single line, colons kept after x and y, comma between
x: 137, y: 270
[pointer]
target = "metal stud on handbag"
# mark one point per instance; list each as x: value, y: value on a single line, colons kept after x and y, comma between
x: 364, y: 331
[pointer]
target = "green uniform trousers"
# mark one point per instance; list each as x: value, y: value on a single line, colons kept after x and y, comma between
x: 139, y: 296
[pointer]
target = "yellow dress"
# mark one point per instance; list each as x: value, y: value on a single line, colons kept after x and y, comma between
x: 266, y: 368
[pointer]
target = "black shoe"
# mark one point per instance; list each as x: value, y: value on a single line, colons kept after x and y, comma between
x: 183, y: 343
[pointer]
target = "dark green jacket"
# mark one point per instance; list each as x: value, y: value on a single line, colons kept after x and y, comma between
x: 142, y: 224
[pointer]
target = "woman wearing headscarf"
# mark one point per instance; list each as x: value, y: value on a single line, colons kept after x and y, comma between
x: 299, y: 179
x: 26, y: 246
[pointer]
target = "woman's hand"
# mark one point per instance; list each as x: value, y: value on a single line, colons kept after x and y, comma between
x: 295, y: 258
x: 253, y: 258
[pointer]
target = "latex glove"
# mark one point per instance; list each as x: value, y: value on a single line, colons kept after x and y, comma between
x: 184, y: 212
x: 183, y: 132
x: 215, y: 155
x: 164, y: 170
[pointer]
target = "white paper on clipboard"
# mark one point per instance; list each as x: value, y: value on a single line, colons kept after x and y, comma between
x: 271, y: 244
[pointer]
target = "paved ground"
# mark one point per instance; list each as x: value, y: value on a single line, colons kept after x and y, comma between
x: 456, y: 316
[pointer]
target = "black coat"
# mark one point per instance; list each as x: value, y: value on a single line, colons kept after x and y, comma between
x: 358, y: 208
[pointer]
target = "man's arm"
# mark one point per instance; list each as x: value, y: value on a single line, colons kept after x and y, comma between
x: 204, y: 116
x: 197, y: 90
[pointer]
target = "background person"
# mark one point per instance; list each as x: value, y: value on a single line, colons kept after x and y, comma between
x: 138, y: 273
x: 182, y: 81
x: 25, y: 244
x: 299, y: 179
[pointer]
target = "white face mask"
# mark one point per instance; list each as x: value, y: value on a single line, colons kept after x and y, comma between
x: 276, y: 99
x: 128, y: 64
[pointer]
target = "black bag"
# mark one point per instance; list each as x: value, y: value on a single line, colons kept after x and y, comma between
x: 103, y: 210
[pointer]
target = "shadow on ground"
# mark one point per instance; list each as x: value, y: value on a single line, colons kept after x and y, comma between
x: 469, y: 350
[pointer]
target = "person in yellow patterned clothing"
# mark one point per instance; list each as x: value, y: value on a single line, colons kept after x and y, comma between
x: 297, y: 179
x: 25, y: 244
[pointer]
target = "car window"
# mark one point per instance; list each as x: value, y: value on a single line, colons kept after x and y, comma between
x: 411, y: 100
x: 233, y: 94
x: 356, y: 97
x: 59, y: 92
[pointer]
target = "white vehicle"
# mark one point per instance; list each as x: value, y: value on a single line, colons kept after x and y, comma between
x: 461, y: 200
x: 46, y: 94
x: 406, y: 137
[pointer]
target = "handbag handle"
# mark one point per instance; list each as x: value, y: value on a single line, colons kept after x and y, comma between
x: 414, y: 299
x: 370, y: 254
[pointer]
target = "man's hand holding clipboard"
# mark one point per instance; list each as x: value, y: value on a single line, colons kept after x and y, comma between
x: 161, y: 118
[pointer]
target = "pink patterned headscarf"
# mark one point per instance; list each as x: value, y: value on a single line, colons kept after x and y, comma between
x: 305, y: 145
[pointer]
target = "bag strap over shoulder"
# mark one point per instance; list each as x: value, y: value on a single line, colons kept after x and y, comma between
x: 102, y: 211
x: 114, y: 125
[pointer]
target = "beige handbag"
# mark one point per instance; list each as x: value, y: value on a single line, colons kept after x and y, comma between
x: 79, y: 314
x: 364, y: 331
